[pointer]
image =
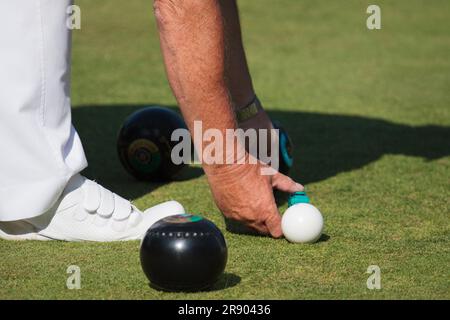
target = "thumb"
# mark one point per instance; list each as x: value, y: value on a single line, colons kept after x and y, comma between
x: 285, y: 183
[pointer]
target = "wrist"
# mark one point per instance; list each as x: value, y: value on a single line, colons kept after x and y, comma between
x: 234, y: 170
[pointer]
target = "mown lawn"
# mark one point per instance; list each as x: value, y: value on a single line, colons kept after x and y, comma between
x: 368, y: 111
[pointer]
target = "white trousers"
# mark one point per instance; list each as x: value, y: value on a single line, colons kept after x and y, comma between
x: 39, y: 148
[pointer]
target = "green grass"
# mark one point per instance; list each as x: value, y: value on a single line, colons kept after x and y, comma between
x: 369, y: 112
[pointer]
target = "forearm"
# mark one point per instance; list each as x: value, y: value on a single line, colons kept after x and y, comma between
x: 192, y: 42
x: 237, y: 72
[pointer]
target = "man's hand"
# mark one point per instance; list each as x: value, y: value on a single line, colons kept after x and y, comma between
x: 243, y: 194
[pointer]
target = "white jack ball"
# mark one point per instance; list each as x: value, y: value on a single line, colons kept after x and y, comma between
x: 302, y: 223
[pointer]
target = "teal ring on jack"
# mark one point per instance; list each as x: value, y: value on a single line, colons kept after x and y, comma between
x: 298, y: 197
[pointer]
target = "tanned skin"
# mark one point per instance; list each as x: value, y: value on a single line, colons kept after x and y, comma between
x: 207, y: 71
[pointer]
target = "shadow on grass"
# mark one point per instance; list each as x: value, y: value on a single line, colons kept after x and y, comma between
x: 237, y: 227
x: 324, y: 238
x: 225, y: 281
x: 324, y: 144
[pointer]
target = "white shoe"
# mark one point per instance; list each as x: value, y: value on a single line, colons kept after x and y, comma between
x: 87, y: 211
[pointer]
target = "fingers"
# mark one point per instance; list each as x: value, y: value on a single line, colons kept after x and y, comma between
x: 285, y: 183
x: 260, y: 227
x: 271, y: 225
